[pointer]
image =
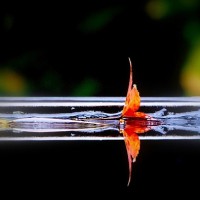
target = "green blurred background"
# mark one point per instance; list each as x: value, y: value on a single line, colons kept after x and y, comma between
x: 81, y: 48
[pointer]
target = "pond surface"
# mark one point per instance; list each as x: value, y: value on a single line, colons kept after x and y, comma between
x: 44, y: 153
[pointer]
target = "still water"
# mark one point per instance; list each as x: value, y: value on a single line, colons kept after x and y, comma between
x: 57, y: 146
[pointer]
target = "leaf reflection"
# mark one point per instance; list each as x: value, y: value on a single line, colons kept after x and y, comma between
x: 131, y: 138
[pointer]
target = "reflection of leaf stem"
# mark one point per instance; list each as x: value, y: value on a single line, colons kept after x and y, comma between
x: 130, y: 132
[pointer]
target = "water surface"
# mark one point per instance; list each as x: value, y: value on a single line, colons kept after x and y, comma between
x: 39, y: 145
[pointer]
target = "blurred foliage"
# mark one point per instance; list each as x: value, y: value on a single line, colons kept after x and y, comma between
x: 81, y: 50
x: 99, y: 19
x: 12, y: 82
x: 86, y: 88
x: 190, y: 69
x: 159, y: 9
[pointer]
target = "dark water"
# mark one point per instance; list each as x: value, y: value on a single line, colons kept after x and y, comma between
x: 61, y: 168
x: 35, y: 163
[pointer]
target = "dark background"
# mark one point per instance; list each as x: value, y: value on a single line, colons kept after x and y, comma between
x: 81, y: 48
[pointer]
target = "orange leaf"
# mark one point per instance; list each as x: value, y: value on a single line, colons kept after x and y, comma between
x: 132, y: 102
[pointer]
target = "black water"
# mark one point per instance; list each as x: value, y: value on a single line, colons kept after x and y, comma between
x: 62, y: 168
x: 166, y: 167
